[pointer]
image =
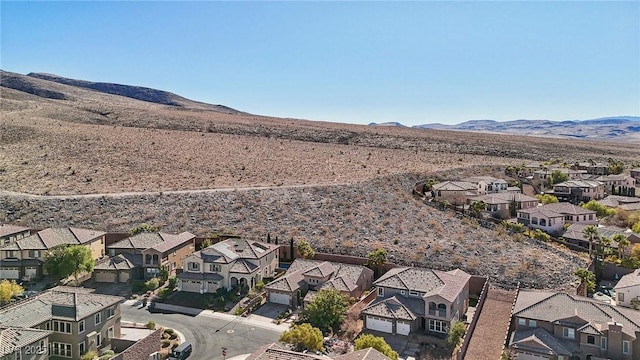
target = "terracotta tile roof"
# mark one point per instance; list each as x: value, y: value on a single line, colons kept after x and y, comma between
x: 6, y: 229
x: 12, y: 338
x: 577, y: 311
x: 59, y: 302
x: 430, y: 282
x: 51, y: 237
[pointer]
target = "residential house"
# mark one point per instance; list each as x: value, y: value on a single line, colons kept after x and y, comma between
x: 560, y: 326
x: 540, y: 177
x: 529, y: 169
x: 615, y: 184
x: 12, y: 233
x: 614, y: 201
x: 635, y: 173
x: 505, y: 205
x: 488, y: 184
x: 573, y: 214
x: 574, y: 235
x: 418, y: 300
x: 142, y: 255
x: 24, y: 343
x: 455, y: 192
x: 77, y: 319
x: 592, y: 168
x: 311, y: 275
x: 546, y: 220
x: 577, y: 191
x: 628, y: 289
x: 23, y: 259
x: 230, y: 263
x: 274, y: 351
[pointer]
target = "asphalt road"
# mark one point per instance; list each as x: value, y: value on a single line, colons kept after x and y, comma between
x: 207, y: 335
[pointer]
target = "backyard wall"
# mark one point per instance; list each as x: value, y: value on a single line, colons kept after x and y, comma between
x: 139, y: 350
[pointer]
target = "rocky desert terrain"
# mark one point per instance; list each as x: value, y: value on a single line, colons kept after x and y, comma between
x: 345, y: 188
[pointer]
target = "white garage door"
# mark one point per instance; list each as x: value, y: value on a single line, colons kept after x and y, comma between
x: 190, y: 286
x: 124, y: 277
x: 10, y: 273
x: 30, y: 272
x: 403, y: 328
x: 105, y: 276
x: 279, y: 298
x: 379, y: 324
x: 529, y: 356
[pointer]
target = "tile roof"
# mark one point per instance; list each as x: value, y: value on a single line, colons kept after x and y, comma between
x: 158, y: 241
x: 51, y: 237
x: 630, y: 207
x: 455, y: 186
x: 575, y: 232
x: 344, y: 277
x: 538, y: 340
x: 615, y: 200
x: 579, y: 184
x: 60, y: 302
x: 242, y: 266
x: 12, y: 338
x: 540, y: 212
x: 613, y: 177
x: 629, y: 280
x: 503, y: 198
x: 575, y: 310
x: 431, y: 282
x: 229, y: 250
x: 6, y: 229
x: 396, y: 307
x: 118, y: 262
x: 567, y: 209
x: 363, y: 354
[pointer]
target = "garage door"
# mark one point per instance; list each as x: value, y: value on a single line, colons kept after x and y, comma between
x: 123, y: 276
x: 10, y: 273
x: 379, y: 324
x: 403, y: 328
x: 279, y: 298
x: 30, y: 272
x: 191, y: 286
x: 105, y: 276
x: 529, y: 356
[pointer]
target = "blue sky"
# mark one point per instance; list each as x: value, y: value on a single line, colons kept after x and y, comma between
x: 356, y: 62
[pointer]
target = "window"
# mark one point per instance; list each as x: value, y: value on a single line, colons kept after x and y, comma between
x: 112, y: 252
x: 438, y: 326
x: 81, y: 326
x: 591, y: 339
x: 568, y: 333
x: 625, y: 347
x: 61, y: 349
x: 620, y: 296
x: 97, y: 319
x: 62, y: 327
x: 215, y: 267
x: 532, y: 323
x: 81, y: 348
x: 522, y: 322
x: 11, y: 253
x: 413, y: 293
x: 380, y: 291
x: 603, y: 343
x: 111, y: 312
x: 194, y: 266
x: 35, y: 254
x: 110, y: 332
x: 99, y: 339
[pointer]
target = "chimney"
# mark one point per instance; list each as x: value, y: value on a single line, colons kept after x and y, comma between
x: 615, y: 340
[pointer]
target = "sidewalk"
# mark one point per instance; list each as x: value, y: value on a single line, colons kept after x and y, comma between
x: 256, y: 321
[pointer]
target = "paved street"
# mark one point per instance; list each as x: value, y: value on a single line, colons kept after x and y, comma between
x: 208, y: 334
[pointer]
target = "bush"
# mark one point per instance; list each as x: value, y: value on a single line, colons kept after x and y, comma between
x: 151, y: 325
x: 152, y: 284
x: 259, y: 286
x: 173, y: 336
x: 89, y: 355
x: 172, y: 283
x: 138, y: 286
x: 174, y: 346
x: 169, y: 331
x: 105, y: 357
x: 165, y: 343
x: 239, y: 310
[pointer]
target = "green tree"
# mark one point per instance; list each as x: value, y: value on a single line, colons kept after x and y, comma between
x: 303, y: 337
x: 205, y: 243
x: 143, y: 228
x: 546, y: 199
x: 305, y: 250
x: 327, y: 310
x: 477, y: 207
x: 376, y: 258
x: 636, y: 227
x: 588, y: 280
x: 601, y: 210
x: 623, y: 244
x: 615, y: 166
x: 366, y: 341
x: 64, y: 261
x: 9, y: 289
x: 456, y: 333
x: 591, y: 233
x: 163, y: 273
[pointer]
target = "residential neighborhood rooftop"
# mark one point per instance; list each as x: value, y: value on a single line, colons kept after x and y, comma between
x: 6, y: 229
x: 156, y: 240
x: 431, y: 282
x: 12, y: 338
x: 51, y: 237
x: 628, y: 280
x: 229, y: 250
x: 567, y: 209
x: 617, y: 200
x: 344, y: 277
x: 454, y: 186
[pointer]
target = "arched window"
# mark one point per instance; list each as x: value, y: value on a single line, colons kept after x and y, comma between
x: 147, y: 259
x: 432, y: 308
x: 534, y: 220
x: 543, y: 222
x: 442, y: 310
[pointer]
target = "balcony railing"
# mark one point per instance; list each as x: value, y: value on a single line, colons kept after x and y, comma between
x: 439, y: 313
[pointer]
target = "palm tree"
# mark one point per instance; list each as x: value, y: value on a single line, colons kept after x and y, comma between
x: 591, y: 233
x: 623, y: 244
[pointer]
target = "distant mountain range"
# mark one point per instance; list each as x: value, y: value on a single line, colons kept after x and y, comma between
x: 619, y: 128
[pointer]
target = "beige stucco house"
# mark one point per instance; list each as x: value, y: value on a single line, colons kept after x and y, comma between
x: 628, y: 289
x: 227, y: 264
x: 12, y: 233
x: 455, y: 192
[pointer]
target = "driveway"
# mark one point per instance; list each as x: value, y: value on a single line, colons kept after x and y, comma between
x: 206, y: 332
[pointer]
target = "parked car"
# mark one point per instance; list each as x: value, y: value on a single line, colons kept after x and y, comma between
x: 181, y: 352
